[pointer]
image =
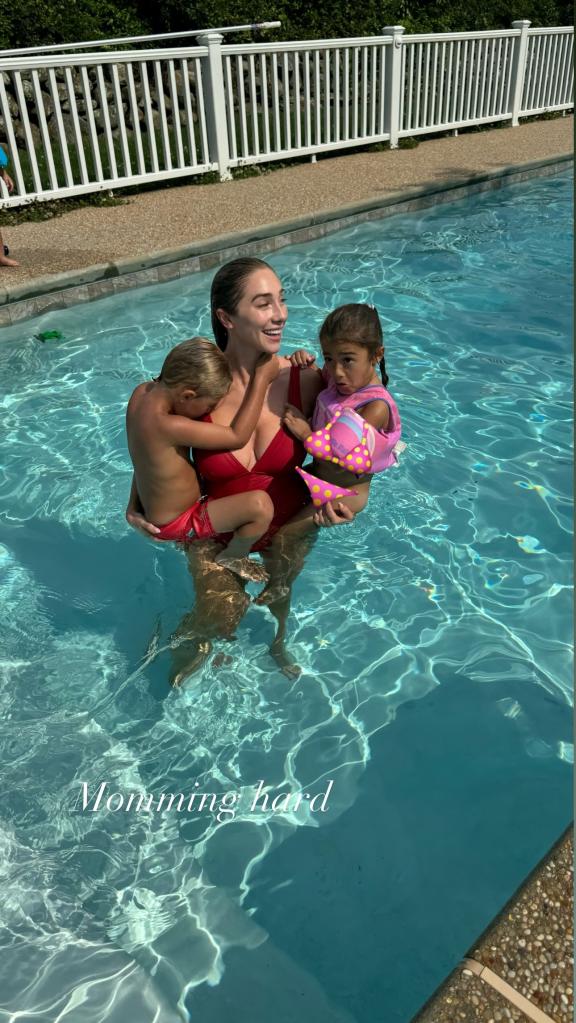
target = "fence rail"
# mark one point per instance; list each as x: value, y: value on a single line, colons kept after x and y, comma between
x: 92, y: 121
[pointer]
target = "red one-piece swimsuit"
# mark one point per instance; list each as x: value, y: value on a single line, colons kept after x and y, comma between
x: 222, y: 474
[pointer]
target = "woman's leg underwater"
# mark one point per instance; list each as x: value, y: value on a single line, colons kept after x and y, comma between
x: 284, y: 560
x: 220, y: 604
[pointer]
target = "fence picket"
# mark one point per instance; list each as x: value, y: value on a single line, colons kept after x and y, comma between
x: 176, y: 113
x: 27, y: 131
x: 193, y: 157
x: 373, y: 93
x: 135, y: 118
x: 76, y: 127
x: 277, y: 99
x: 148, y: 115
x: 317, y: 101
x: 121, y: 122
x: 62, y: 141
x: 265, y: 111
x: 346, y: 94
x: 327, y: 96
x: 12, y: 145
x: 307, y: 109
x: 254, y: 106
x: 107, y: 127
x: 337, y: 94
x: 201, y: 106
x: 242, y: 109
x: 44, y: 129
x: 355, y: 73
x: 287, y: 103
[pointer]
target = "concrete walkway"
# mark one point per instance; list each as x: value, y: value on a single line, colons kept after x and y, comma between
x: 170, y: 218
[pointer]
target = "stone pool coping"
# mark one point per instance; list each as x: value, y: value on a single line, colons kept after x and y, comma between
x: 61, y: 290
x: 521, y: 968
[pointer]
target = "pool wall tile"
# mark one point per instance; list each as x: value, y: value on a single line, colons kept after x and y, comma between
x: 76, y: 295
x: 135, y: 280
x: 46, y: 303
x: 167, y: 272
x: 22, y: 310
x: 95, y: 282
x: 99, y: 289
x: 188, y: 266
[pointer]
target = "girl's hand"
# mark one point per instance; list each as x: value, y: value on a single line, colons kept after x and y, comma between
x: 333, y: 515
x: 302, y: 358
x: 294, y: 420
x: 139, y: 523
x: 8, y: 181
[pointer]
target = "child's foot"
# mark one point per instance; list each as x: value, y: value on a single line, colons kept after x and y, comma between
x: 283, y: 660
x: 221, y: 660
x: 243, y: 567
x: 187, y: 658
x: 270, y: 594
x: 6, y: 261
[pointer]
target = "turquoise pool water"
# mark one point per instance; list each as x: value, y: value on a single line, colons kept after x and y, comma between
x: 434, y: 637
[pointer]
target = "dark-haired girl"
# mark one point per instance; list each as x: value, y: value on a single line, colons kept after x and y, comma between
x: 353, y: 349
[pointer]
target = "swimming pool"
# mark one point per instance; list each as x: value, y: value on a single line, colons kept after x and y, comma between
x: 434, y: 637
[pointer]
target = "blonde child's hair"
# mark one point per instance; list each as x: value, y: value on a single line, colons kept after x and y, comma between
x: 199, y: 364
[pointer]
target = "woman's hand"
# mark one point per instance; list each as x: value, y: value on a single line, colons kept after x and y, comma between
x: 140, y: 524
x: 302, y: 358
x: 8, y: 181
x: 294, y: 420
x: 333, y: 515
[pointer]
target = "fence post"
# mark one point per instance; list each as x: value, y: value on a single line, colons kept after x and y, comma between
x: 216, y: 122
x: 393, y: 83
x: 519, y: 68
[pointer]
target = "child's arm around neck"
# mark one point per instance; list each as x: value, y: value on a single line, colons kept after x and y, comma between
x: 192, y: 433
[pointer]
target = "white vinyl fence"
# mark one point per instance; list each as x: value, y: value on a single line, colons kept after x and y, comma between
x: 101, y: 120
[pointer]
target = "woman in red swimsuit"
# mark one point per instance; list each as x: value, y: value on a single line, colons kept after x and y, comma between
x: 248, y: 316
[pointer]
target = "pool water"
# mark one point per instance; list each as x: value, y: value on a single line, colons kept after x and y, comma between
x: 433, y: 637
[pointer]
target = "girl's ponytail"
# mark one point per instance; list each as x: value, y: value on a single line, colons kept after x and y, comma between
x: 383, y: 372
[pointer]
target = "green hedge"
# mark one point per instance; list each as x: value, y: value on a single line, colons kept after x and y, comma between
x: 34, y: 22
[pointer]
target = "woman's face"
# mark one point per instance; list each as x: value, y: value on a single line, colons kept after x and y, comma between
x: 260, y: 315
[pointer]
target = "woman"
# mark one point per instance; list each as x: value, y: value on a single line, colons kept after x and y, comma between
x: 248, y: 316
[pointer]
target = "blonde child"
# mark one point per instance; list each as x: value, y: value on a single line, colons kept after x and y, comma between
x: 162, y: 424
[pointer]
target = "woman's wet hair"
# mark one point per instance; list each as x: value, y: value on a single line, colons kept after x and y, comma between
x: 227, y: 290
x: 358, y: 323
x: 199, y: 365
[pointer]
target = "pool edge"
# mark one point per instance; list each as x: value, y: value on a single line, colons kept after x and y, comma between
x: 472, y: 986
x: 60, y: 291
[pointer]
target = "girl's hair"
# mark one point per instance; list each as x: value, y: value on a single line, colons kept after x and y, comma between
x: 198, y: 364
x: 227, y: 289
x: 359, y: 324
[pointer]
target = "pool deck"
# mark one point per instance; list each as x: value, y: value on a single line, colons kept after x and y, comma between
x: 522, y: 967
x: 529, y: 947
x: 173, y: 222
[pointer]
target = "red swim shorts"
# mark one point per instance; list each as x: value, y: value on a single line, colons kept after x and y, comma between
x: 193, y: 524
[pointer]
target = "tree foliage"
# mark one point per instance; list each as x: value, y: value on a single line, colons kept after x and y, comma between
x: 40, y: 22
x: 37, y: 22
